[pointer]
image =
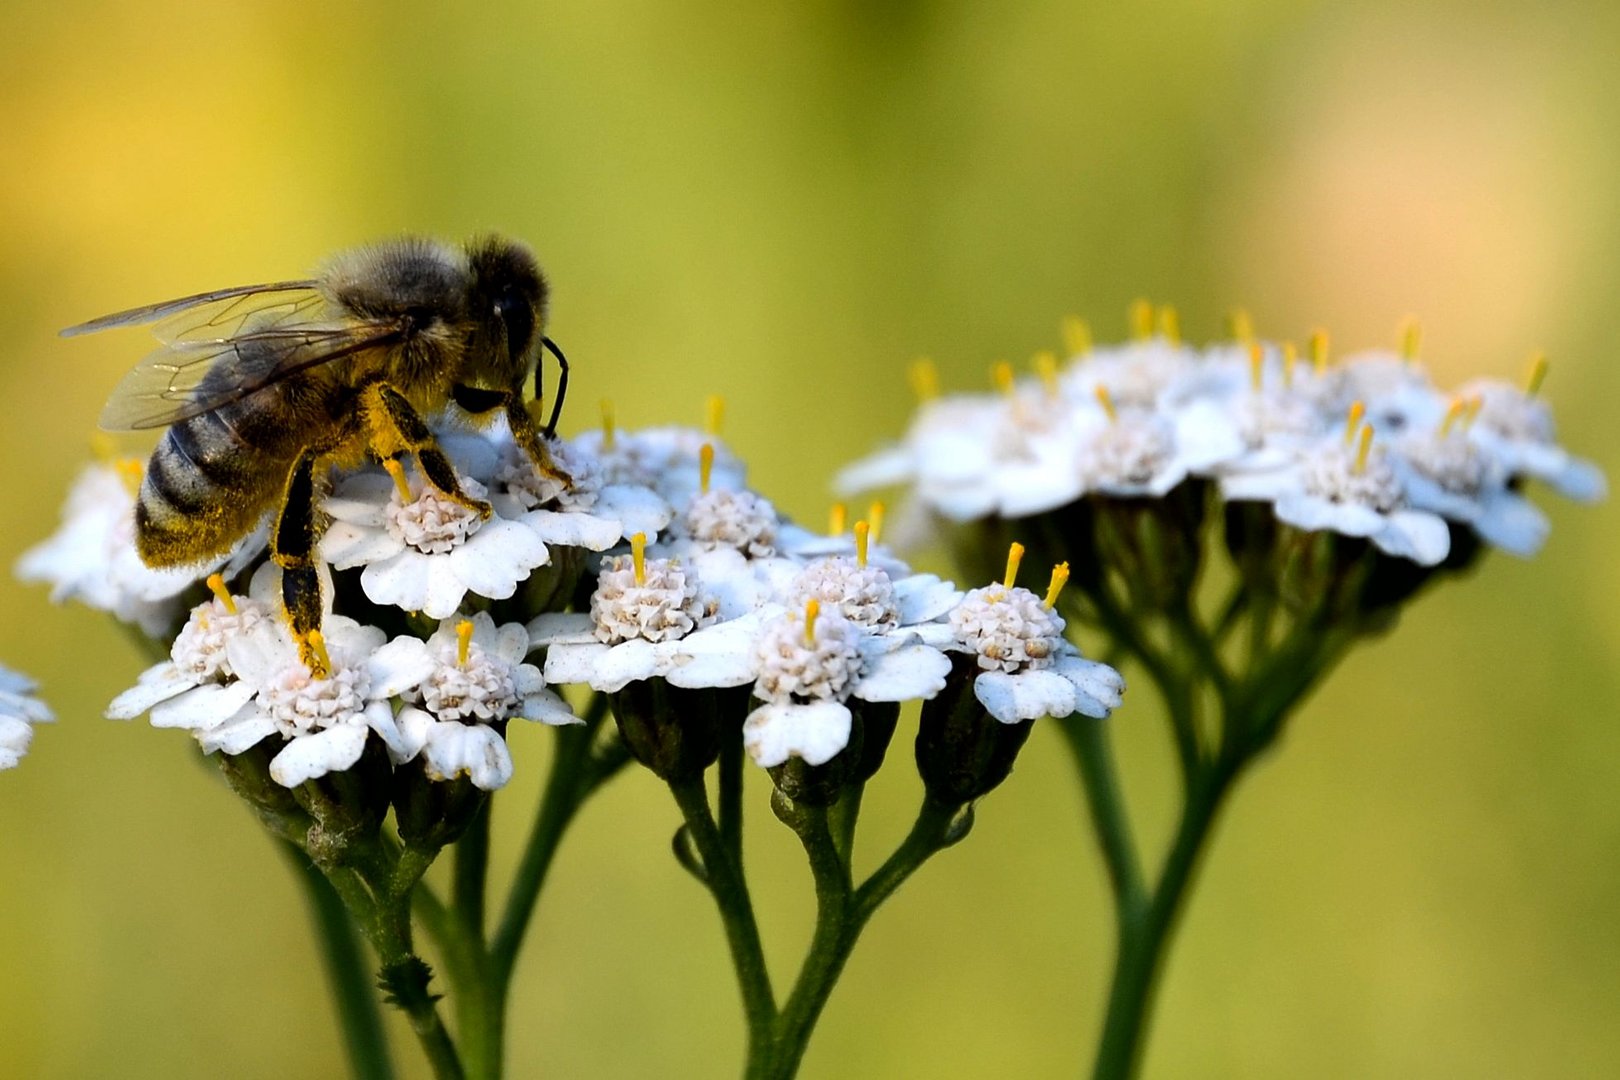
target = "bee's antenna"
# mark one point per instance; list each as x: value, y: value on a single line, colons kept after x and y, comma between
x: 562, y: 385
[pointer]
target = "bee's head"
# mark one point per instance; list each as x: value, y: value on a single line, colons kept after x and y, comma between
x: 509, y: 299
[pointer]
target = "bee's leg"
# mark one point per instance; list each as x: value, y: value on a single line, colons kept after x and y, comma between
x: 562, y: 385
x: 292, y: 546
x: 528, y: 437
x: 396, y: 427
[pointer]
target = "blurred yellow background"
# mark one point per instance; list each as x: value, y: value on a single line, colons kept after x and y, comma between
x: 785, y: 204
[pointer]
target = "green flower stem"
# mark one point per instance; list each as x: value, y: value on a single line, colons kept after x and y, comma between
x: 1089, y: 742
x: 842, y: 819
x: 730, y: 800
x: 1145, y: 929
x: 730, y: 890
x: 472, y: 873
x: 348, y: 970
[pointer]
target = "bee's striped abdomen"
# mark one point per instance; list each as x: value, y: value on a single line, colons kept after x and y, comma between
x: 205, y: 487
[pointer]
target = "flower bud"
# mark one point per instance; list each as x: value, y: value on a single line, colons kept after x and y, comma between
x: 348, y: 807
x: 674, y: 731
x: 433, y: 813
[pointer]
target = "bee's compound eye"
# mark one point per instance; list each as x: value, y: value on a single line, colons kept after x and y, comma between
x: 519, y: 319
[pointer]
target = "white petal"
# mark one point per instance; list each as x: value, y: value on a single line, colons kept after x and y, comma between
x: 203, y: 708
x: 718, y: 655
x: 889, y: 466
x: 345, y: 544
x: 476, y: 750
x: 1580, y: 480
x: 924, y: 598
x: 625, y: 663
x: 574, y: 528
x: 548, y: 708
x: 247, y: 728
x: 635, y: 508
x: 318, y: 753
x: 1512, y: 523
x: 510, y: 641
x: 1099, y: 688
x: 398, y: 666
x: 815, y: 732
x: 414, y: 725
x: 401, y: 581
x: 379, y: 717
x: 155, y: 684
x: 561, y: 628
x: 908, y: 673
x: 499, y: 555
x: 1314, y: 514
x: 570, y: 663
x: 1417, y: 535
x: 1027, y: 695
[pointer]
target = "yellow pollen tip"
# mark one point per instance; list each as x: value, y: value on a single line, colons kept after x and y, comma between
x: 1363, y: 450
x: 924, y: 379
x: 812, y: 608
x: 1257, y: 366
x: 863, y: 540
x: 1458, y: 409
x: 464, y: 632
x: 216, y: 585
x: 1141, y: 317
x: 1001, y: 377
x: 1015, y: 555
x: 1290, y: 353
x: 1352, y: 421
x: 874, y: 514
x: 1106, y: 400
x: 837, y: 519
x: 323, y: 660
x: 714, y: 415
x: 638, y: 556
x: 1170, y: 324
x: 1319, y: 350
x: 397, y: 471
x: 1239, y: 326
x: 1076, y: 335
x: 609, y: 430
x: 1538, y: 374
x: 1060, y: 578
x: 705, y: 467
x: 1475, y: 403
x: 1411, y: 339
x: 131, y: 471
x: 1046, y: 367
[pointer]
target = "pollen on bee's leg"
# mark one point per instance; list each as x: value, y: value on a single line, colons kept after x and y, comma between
x: 397, y: 471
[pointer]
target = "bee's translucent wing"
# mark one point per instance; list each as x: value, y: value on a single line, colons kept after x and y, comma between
x: 193, y: 375
x: 224, y: 305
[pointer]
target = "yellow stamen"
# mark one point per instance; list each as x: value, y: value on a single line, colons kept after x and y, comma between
x: 1290, y: 353
x: 714, y: 415
x: 1001, y: 376
x: 464, y: 632
x: 609, y: 432
x: 705, y: 467
x: 1474, y: 405
x: 924, y: 379
x: 1239, y: 325
x: 812, y: 608
x: 216, y: 585
x: 874, y: 514
x: 1046, y: 366
x: 1170, y: 324
x: 837, y: 519
x: 1015, y: 555
x: 322, y: 668
x: 397, y: 471
x: 131, y: 471
x: 104, y: 448
x: 1257, y: 366
x: 863, y: 540
x: 1060, y: 578
x: 1458, y: 409
x: 1411, y: 339
x: 1363, y: 450
x: 638, y: 556
x: 1353, y: 420
x: 1141, y: 319
x: 1319, y: 350
x: 1106, y: 400
x: 1538, y: 374
x: 1076, y: 335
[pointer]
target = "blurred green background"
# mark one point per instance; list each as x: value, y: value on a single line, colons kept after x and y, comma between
x: 785, y: 204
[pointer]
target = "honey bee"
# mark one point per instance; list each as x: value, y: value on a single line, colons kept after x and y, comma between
x: 263, y: 386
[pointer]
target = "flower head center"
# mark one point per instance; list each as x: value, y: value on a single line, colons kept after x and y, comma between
x: 199, y: 648
x: 862, y: 594
x: 300, y: 702
x: 1130, y: 449
x: 476, y: 689
x: 1008, y: 629
x: 795, y: 662
x: 432, y: 523
x: 655, y: 601
x: 735, y: 519
x: 1359, y: 474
